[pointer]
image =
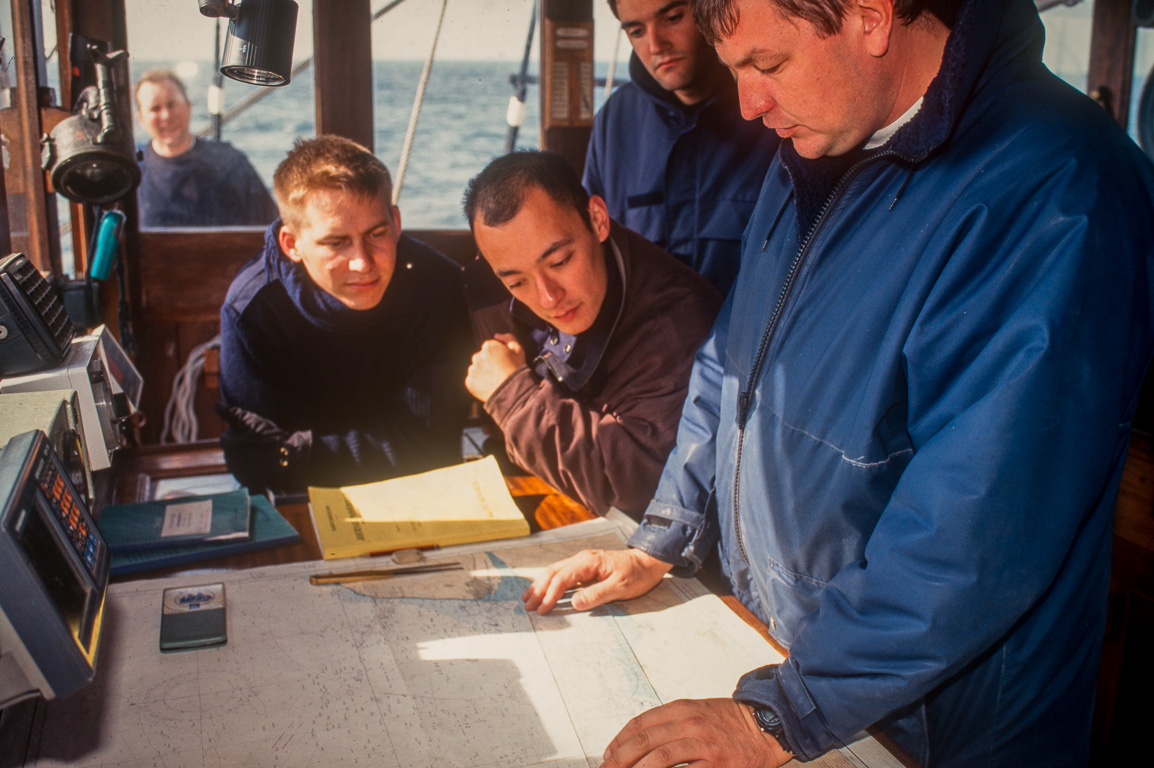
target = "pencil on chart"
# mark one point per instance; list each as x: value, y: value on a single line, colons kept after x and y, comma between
x: 369, y: 574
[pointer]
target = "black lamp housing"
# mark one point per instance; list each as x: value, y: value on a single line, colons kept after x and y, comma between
x: 1142, y: 12
x: 261, y: 33
x: 89, y: 156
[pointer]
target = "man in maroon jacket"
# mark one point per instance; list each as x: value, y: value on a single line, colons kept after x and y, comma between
x: 585, y: 370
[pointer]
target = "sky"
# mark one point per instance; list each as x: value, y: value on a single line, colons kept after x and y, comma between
x: 174, y: 31
x: 472, y: 30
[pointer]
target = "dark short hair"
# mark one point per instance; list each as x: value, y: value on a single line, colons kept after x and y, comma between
x: 498, y: 192
x: 156, y: 77
x: 613, y: 8
x: 717, y: 19
x: 327, y: 162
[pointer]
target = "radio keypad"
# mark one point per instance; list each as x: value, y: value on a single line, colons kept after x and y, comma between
x: 65, y: 506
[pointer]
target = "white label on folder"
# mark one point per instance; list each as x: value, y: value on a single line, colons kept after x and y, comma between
x: 185, y: 599
x: 186, y: 519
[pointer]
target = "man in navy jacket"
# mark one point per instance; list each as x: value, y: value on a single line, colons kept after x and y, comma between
x: 907, y: 430
x: 669, y: 153
x: 343, y: 343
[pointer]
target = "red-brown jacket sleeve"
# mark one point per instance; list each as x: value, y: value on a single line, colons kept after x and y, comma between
x: 605, y: 445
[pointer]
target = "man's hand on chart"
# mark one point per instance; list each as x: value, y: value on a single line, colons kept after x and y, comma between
x: 496, y: 361
x: 708, y: 733
x: 606, y: 575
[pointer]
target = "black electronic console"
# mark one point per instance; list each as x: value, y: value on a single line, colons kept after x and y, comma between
x: 55, y: 576
x: 34, y: 327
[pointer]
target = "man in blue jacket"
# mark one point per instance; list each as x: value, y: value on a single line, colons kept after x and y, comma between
x: 669, y: 153
x: 343, y: 342
x: 907, y: 429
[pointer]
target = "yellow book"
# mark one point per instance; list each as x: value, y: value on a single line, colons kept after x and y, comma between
x: 455, y: 505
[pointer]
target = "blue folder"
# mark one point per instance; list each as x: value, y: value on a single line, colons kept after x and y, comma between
x: 268, y: 529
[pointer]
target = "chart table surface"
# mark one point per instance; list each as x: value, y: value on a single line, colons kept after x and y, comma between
x: 437, y: 669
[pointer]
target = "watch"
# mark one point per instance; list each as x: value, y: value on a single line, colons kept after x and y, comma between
x: 769, y: 722
x: 767, y: 719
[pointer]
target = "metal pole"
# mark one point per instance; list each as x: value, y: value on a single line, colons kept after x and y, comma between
x: 516, y: 112
x: 216, y: 90
x: 415, y: 114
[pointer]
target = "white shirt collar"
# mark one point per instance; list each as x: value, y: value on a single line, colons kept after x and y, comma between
x: 885, y: 134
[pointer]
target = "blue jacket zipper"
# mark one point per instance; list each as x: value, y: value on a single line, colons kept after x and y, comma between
x: 745, y: 398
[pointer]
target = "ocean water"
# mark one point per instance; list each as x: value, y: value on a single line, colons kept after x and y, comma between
x: 461, y: 127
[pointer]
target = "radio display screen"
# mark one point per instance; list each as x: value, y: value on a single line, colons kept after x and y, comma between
x: 64, y: 586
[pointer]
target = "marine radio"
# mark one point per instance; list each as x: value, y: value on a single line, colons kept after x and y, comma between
x: 57, y: 413
x: 39, y: 352
x: 107, y: 386
x: 55, y: 566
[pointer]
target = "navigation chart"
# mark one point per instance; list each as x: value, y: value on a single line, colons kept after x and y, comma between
x: 438, y: 669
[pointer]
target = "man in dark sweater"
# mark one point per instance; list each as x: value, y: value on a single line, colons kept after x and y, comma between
x: 586, y: 369
x: 343, y: 342
x: 186, y: 181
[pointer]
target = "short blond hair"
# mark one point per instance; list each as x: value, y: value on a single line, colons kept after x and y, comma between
x: 326, y: 162
x: 156, y: 77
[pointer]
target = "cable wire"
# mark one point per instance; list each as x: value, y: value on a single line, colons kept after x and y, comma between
x: 180, y: 422
x: 418, y: 101
x: 610, y: 75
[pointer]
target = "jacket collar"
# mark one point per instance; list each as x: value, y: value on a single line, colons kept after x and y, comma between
x: 588, y: 347
x: 726, y: 95
x: 987, y: 37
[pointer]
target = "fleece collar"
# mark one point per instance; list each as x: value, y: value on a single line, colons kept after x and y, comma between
x: 318, y: 307
x: 987, y: 37
x: 725, y: 97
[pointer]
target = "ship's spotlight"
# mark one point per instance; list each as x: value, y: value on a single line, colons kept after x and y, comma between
x: 89, y: 156
x: 259, y: 46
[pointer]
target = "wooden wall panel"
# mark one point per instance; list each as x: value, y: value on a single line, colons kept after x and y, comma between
x: 184, y: 276
x: 1111, y: 70
x: 342, y: 35
x: 567, y: 78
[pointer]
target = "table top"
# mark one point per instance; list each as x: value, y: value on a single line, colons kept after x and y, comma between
x: 137, y: 470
